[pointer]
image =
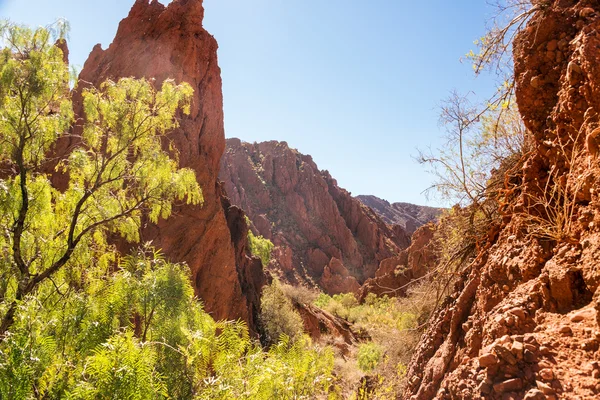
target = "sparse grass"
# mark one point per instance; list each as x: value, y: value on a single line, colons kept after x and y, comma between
x: 374, y: 313
x: 394, y: 326
x: 551, y: 212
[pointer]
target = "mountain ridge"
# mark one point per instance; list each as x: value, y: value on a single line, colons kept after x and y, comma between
x: 322, y: 235
x: 408, y: 215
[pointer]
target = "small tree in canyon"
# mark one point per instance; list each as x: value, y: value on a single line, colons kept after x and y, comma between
x: 116, y: 170
x: 483, y: 148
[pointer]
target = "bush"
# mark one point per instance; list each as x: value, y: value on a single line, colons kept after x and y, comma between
x: 369, y: 356
x: 260, y: 247
x: 394, y: 326
x: 92, y: 345
x: 322, y: 300
x: 300, y: 294
x: 278, y: 316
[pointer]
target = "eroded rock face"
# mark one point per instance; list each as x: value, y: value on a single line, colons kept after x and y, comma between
x: 319, y: 323
x: 408, y: 216
x: 523, y: 321
x: 395, y: 273
x: 168, y: 42
x: 322, y: 234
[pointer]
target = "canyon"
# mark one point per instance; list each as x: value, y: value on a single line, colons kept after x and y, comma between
x: 522, y: 320
x: 323, y: 236
x: 408, y: 216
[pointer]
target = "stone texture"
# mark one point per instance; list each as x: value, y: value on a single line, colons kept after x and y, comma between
x: 395, y: 273
x: 322, y: 235
x: 551, y: 280
x: 408, y: 216
x: 168, y: 42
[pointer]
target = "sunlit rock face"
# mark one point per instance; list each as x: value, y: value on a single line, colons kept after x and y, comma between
x: 323, y: 236
x: 409, y: 216
x: 396, y: 275
x: 168, y: 42
x: 523, y: 319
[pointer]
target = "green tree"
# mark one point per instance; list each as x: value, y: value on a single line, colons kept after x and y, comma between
x: 78, y: 320
x: 117, y: 169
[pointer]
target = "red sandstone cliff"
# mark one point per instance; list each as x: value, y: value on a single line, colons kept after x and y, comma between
x: 523, y: 322
x: 160, y: 42
x: 409, y: 216
x: 395, y: 274
x: 323, y: 236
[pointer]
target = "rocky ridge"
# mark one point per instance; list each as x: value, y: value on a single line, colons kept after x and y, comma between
x: 409, y: 216
x: 523, y: 322
x: 322, y: 235
x: 160, y: 42
x: 395, y: 274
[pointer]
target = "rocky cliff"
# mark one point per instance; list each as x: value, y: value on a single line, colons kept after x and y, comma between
x: 160, y: 42
x: 394, y: 275
x: 322, y: 235
x: 523, y: 321
x: 409, y: 216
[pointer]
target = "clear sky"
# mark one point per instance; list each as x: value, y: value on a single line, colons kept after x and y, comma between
x: 356, y: 84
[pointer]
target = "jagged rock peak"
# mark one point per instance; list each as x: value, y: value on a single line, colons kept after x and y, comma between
x: 168, y: 42
x: 323, y: 236
x: 409, y: 216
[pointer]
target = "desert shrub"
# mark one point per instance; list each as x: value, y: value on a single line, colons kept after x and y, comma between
x: 260, y: 247
x: 322, y: 300
x: 368, y: 356
x: 394, y: 325
x: 347, y: 300
x: 278, y: 315
x: 300, y: 294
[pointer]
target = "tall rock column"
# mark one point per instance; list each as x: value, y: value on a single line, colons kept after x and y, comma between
x: 169, y: 42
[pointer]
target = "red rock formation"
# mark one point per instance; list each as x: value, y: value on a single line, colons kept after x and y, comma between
x: 318, y: 323
x: 523, y: 322
x: 160, y: 42
x: 408, y: 216
x: 395, y: 273
x: 322, y: 234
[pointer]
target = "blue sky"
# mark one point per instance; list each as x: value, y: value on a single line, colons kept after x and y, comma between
x: 355, y: 84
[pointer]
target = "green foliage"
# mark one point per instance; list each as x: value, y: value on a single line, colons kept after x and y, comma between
x: 369, y: 355
x: 278, y: 316
x: 93, y: 345
x: 116, y: 169
x: 121, y: 369
x: 374, y: 313
x: 78, y: 320
x: 394, y: 326
x: 260, y: 247
x: 322, y: 300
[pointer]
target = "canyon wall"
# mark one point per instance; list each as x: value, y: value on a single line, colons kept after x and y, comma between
x: 408, y: 216
x: 160, y: 42
x: 395, y: 274
x: 523, y: 321
x: 322, y: 235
